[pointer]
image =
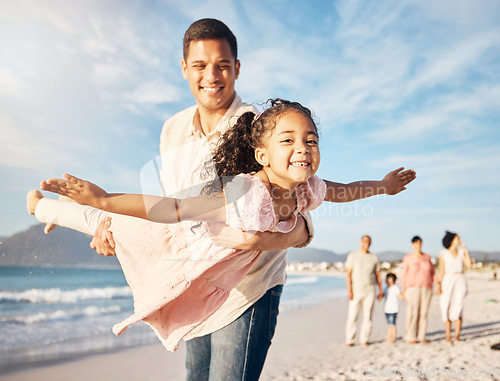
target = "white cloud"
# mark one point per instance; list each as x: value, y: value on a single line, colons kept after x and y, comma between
x: 155, y: 92
x: 449, y: 116
x: 453, y: 168
x: 88, y: 84
x: 454, y: 62
x: 11, y: 86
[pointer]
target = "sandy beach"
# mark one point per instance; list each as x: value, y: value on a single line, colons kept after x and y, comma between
x: 308, y: 345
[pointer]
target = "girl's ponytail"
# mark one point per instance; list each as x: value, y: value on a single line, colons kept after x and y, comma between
x: 234, y: 154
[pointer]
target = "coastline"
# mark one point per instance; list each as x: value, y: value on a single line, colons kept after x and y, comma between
x: 308, y: 345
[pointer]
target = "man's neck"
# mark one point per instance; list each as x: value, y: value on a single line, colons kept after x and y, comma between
x: 210, y: 119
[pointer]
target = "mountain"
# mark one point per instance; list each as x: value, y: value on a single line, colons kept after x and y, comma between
x: 68, y: 248
x: 390, y: 255
x: 310, y: 254
x: 61, y: 248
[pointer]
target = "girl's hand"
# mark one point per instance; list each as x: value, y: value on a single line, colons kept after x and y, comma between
x: 396, y: 181
x: 81, y: 191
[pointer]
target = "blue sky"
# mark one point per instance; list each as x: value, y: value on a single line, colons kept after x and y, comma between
x: 85, y: 87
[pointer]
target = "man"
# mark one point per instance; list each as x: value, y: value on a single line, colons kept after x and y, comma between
x: 363, y: 271
x: 233, y: 343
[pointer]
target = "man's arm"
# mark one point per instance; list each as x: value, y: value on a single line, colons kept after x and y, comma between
x: 223, y: 235
x: 348, y: 282
x: 379, y: 282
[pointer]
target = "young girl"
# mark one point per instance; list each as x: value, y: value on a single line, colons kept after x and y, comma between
x: 392, y: 293
x: 266, y: 167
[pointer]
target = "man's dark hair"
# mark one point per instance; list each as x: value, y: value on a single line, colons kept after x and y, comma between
x: 416, y: 239
x: 209, y: 29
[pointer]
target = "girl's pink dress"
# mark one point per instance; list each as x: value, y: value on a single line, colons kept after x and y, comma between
x: 177, y: 280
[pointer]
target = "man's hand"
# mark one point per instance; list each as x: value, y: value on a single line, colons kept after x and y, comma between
x: 350, y: 295
x: 396, y: 181
x: 103, y: 241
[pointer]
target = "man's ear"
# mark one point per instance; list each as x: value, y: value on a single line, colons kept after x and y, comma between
x: 184, y: 69
x: 261, y: 156
x: 237, y: 69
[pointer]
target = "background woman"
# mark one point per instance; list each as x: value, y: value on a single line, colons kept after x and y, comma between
x: 416, y: 281
x: 452, y: 261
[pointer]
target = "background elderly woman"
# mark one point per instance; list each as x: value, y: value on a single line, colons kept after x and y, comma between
x: 416, y: 281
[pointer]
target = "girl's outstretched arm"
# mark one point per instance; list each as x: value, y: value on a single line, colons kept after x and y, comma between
x: 153, y: 208
x: 393, y: 183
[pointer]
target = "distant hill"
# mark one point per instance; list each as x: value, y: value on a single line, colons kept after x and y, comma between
x: 390, y: 255
x: 61, y: 248
x: 67, y: 248
x: 485, y: 256
x: 310, y: 254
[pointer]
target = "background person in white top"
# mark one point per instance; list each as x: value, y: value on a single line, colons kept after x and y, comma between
x: 363, y: 272
x: 452, y: 262
x: 391, y: 307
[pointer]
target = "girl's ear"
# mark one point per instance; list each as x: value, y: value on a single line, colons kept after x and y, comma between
x: 261, y: 157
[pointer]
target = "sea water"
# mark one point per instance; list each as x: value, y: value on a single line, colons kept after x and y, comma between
x: 53, y: 314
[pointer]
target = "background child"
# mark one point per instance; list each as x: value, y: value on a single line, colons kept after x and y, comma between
x: 266, y: 167
x: 391, y: 307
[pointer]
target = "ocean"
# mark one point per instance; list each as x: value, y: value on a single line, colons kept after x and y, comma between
x: 49, y: 315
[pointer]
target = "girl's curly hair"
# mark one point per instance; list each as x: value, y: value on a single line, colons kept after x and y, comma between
x: 235, y: 150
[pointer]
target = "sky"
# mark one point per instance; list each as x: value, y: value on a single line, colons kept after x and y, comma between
x: 85, y: 87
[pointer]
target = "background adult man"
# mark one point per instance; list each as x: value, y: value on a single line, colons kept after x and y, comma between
x: 363, y: 271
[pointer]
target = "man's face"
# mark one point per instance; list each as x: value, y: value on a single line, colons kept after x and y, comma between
x: 365, y: 243
x: 211, y: 71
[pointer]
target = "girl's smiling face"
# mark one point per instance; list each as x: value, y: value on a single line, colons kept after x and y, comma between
x: 290, y: 154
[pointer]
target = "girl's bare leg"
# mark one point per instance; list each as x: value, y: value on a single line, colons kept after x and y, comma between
x: 392, y: 333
